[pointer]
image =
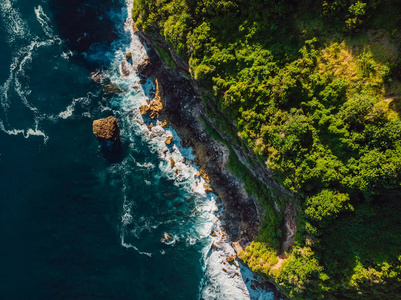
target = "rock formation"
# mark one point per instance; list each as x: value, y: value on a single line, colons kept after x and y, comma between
x: 168, y: 140
x: 111, y: 89
x: 106, y: 129
x: 124, y: 68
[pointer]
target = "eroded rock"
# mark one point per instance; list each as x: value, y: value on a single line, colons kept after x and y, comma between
x: 106, y: 129
x: 124, y: 68
x: 168, y: 140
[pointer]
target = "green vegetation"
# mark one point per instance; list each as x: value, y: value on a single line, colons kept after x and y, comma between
x: 313, y: 88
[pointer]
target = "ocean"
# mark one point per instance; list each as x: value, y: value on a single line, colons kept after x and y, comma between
x: 80, y: 223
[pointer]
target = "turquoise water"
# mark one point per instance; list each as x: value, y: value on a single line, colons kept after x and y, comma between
x: 76, y: 223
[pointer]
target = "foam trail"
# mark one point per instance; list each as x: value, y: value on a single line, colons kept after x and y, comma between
x: 128, y: 246
x: 25, y: 133
x: 44, y: 21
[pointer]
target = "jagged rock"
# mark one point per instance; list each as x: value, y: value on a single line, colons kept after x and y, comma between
x: 154, y: 115
x: 112, y: 89
x: 150, y: 126
x: 208, y: 189
x: 166, y: 237
x: 144, y: 109
x: 165, y: 151
x: 147, y: 68
x: 124, y: 68
x: 204, y: 175
x: 128, y: 56
x: 106, y: 129
x: 97, y: 76
x: 231, y: 258
x: 168, y: 140
x: 172, y: 163
x: 184, y: 159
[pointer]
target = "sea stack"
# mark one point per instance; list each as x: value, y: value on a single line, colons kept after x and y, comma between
x: 106, y: 130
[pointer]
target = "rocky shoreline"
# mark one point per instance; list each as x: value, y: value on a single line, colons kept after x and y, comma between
x: 184, y: 109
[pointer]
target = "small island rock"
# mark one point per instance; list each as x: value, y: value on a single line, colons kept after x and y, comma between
x: 106, y: 129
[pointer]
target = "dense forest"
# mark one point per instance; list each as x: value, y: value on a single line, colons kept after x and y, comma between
x: 313, y: 87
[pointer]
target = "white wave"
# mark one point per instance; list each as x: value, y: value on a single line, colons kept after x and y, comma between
x: 70, y: 108
x: 44, y: 21
x: 25, y: 133
x: 128, y: 246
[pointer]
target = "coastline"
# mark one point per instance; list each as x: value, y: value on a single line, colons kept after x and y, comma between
x: 185, y: 111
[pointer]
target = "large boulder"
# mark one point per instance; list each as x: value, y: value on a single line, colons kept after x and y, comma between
x: 151, y: 66
x: 106, y: 129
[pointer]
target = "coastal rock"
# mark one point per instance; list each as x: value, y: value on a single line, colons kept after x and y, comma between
x: 150, y: 66
x: 97, y: 77
x: 172, y: 163
x: 168, y: 140
x: 128, y: 56
x: 124, y: 69
x: 144, y: 109
x: 111, y: 89
x: 208, y: 188
x: 106, y: 129
x: 166, y: 237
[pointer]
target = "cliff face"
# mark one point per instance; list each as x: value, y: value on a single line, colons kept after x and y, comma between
x: 184, y: 109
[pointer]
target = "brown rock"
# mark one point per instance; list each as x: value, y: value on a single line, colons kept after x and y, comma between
x: 111, y: 89
x: 128, y: 56
x: 135, y: 29
x: 231, y: 258
x: 154, y: 115
x: 97, y: 77
x: 213, y: 233
x: 165, y: 151
x: 172, y: 163
x: 168, y: 140
x: 184, y: 160
x: 144, y: 109
x: 106, y: 129
x: 203, y: 174
x: 142, y: 81
x: 147, y: 68
x: 208, y: 189
x: 124, y: 68
x: 166, y: 237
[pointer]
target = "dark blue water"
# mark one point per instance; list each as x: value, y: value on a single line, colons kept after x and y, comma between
x: 76, y: 223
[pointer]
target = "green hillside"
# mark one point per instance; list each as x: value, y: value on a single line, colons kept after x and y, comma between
x: 314, y: 88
